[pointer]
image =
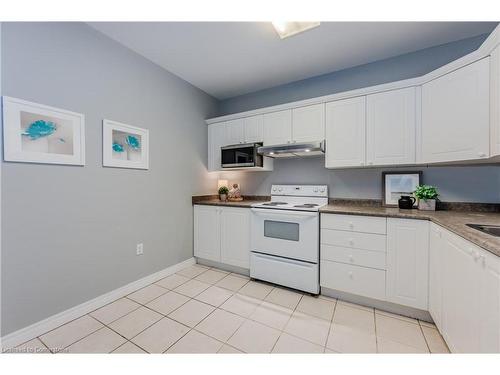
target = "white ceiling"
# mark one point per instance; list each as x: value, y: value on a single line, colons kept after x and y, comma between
x: 227, y: 59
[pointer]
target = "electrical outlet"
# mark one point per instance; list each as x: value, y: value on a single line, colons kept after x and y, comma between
x: 140, y: 249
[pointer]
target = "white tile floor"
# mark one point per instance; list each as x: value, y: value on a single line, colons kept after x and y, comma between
x: 203, y: 310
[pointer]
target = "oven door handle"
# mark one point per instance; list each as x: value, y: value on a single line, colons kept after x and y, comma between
x: 283, y: 213
x: 284, y: 260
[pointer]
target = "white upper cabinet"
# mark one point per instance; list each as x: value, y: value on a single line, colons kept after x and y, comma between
x: 345, y: 133
x: 495, y: 101
x: 308, y: 123
x: 216, y: 139
x: 455, y: 115
x: 407, y: 262
x: 245, y: 130
x: 235, y: 132
x: 390, y: 127
x: 277, y: 127
x: 254, y: 129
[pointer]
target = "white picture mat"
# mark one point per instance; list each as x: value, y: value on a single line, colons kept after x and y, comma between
x: 107, y: 142
x: 399, y: 184
x: 13, y: 150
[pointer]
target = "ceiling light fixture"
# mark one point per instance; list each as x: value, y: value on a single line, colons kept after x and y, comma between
x: 287, y: 29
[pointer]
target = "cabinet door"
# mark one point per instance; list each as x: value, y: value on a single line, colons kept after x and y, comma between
x: 254, y: 129
x: 308, y: 123
x: 408, y: 262
x: 460, y: 317
x: 277, y: 127
x: 489, y: 301
x: 207, y: 232
x: 390, y: 127
x: 345, y: 133
x: 495, y: 101
x: 235, y: 131
x: 455, y: 115
x: 235, y: 237
x: 216, y: 139
x: 436, y: 249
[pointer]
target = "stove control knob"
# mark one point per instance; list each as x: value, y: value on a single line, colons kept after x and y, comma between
x: 280, y: 190
x: 322, y: 190
x: 315, y: 189
x: 274, y: 189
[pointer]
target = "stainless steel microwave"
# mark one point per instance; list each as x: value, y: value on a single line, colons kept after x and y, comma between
x: 241, y: 156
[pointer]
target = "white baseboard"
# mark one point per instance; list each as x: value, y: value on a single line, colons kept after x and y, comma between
x: 25, y: 334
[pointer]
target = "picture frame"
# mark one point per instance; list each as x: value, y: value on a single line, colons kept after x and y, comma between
x: 124, y: 146
x: 37, y: 133
x: 395, y: 184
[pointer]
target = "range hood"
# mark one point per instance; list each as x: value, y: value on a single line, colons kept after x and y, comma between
x: 289, y: 150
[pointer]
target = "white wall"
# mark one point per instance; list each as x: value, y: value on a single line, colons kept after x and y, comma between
x: 71, y: 232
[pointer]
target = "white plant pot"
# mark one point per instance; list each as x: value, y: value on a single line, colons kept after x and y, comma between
x: 427, y: 205
x: 223, y: 197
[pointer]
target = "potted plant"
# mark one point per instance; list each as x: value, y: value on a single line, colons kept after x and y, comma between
x: 223, y: 190
x: 426, y: 196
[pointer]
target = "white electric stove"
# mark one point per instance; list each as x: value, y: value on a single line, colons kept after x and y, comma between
x: 285, y: 236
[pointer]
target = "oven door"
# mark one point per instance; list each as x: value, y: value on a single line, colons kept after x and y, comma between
x: 286, y: 233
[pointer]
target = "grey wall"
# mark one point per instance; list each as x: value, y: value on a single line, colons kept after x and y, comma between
x: 69, y: 233
x: 456, y: 184
x: 405, y: 66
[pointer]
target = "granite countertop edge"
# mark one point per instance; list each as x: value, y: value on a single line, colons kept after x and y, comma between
x: 454, y: 221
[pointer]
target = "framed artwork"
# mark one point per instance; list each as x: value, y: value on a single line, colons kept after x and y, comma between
x: 124, y: 146
x: 396, y: 184
x: 36, y: 133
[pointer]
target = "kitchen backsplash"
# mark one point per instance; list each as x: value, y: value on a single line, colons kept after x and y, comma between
x: 455, y: 183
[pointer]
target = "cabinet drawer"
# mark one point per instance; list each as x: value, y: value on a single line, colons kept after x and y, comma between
x: 366, y: 241
x: 366, y: 282
x: 365, y: 224
x: 357, y: 257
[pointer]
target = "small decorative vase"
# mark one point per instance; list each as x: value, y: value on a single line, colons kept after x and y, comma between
x: 427, y: 205
x: 223, y: 197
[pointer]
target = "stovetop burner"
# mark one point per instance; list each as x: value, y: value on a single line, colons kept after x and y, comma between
x: 306, y: 205
x: 274, y: 203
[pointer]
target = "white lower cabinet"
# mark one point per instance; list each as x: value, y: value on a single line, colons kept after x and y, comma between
x: 436, y: 249
x: 407, y: 262
x: 222, y: 234
x: 353, y: 254
x: 425, y: 266
x: 468, y: 295
x: 363, y: 281
x: 235, y: 236
x: 207, y: 232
